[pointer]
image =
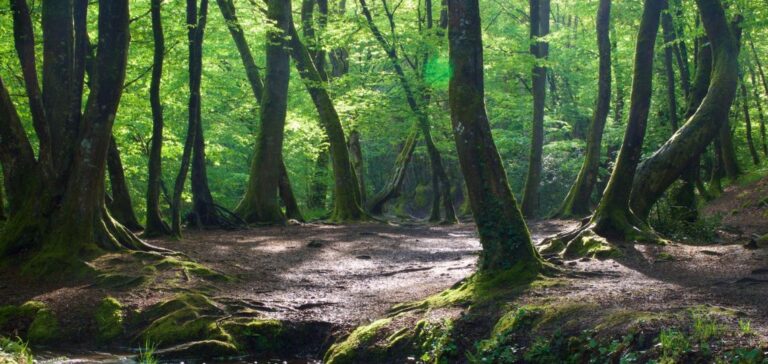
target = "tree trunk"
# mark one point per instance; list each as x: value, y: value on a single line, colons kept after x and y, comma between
x: 260, y: 204
x: 728, y: 150
x: 318, y: 189
x: 669, y: 39
x: 346, y: 204
x: 120, y: 205
x: 195, y: 31
x: 659, y: 171
x: 756, y: 57
x: 155, y: 225
x: 539, y: 14
x: 285, y: 191
x: 613, y: 219
x: 760, y: 112
x: 53, y: 230
x: 2, y: 204
x: 392, y: 188
x: 503, y: 234
x: 577, y: 202
x: 422, y: 117
x: 748, y: 122
x: 356, y: 153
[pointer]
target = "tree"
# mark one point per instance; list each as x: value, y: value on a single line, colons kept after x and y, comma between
x: 346, y: 195
x: 659, y: 171
x: 748, y: 123
x: 760, y: 113
x: 500, y: 224
x: 155, y: 225
x: 260, y: 203
x: 195, y: 33
x: 119, y: 202
x: 577, y: 202
x: 422, y: 117
x: 539, y: 15
x: 58, y: 216
x: 613, y: 217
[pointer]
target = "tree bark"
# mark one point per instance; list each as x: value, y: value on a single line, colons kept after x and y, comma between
x: 51, y: 231
x: 155, y: 225
x: 260, y: 204
x: 318, y: 189
x: 392, y: 188
x: 760, y: 112
x: 728, y: 150
x: 748, y: 124
x: 120, y: 206
x: 356, y: 153
x: 577, y: 202
x: 539, y: 15
x: 668, y: 32
x: 659, y: 171
x: 285, y: 191
x: 195, y: 34
x: 503, y: 234
x: 346, y: 195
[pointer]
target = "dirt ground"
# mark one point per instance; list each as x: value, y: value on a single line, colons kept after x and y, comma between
x: 349, y: 275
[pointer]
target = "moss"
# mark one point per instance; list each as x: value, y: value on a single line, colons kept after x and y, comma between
x: 591, y: 245
x: 347, y: 350
x: 109, y: 319
x: 204, y: 349
x: 44, y: 328
x: 185, y: 318
x: 258, y: 336
x: 191, y: 268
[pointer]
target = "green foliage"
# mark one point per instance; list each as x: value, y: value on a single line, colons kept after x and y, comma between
x: 673, y: 344
x: 147, y: 353
x: 745, y: 326
x: 15, y: 351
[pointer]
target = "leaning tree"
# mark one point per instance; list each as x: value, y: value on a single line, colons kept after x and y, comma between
x: 57, y: 210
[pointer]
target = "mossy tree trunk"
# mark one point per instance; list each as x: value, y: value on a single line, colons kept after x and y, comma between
x: 503, y: 234
x: 155, y: 224
x: 120, y: 204
x: 58, y: 213
x: 748, y: 123
x: 658, y: 172
x: 728, y: 151
x: 760, y: 110
x: 229, y: 14
x: 318, y: 189
x: 539, y: 27
x: 346, y: 206
x: 577, y: 202
x: 422, y: 117
x: 260, y: 204
x: 613, y: 218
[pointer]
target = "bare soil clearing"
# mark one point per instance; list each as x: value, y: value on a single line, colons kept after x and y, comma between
x: 348, y: 275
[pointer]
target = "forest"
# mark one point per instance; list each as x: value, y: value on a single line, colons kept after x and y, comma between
x: 383, y: 181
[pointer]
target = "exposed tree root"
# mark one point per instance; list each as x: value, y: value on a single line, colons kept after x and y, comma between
x: 600, y: 237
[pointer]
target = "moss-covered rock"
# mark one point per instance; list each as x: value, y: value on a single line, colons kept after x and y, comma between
x: 109, y: 320
x: 44, y: 328
x: 185, y: 318
x: 33, y: 321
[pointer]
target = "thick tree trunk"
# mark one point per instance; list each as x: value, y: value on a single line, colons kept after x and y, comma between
x: 503, y: 234
x: 539, y: 14
x: 659, y: 171
x: 577, y: 202
x: 669, y: 39
x: 120, y: 204
x: 260, y: 204
x: 346, y: 204
x: 155, y: 225
x: 748, y: 123
x: 50, y: 231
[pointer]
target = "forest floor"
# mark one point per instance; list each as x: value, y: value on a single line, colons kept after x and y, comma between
x: 345, y: 276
